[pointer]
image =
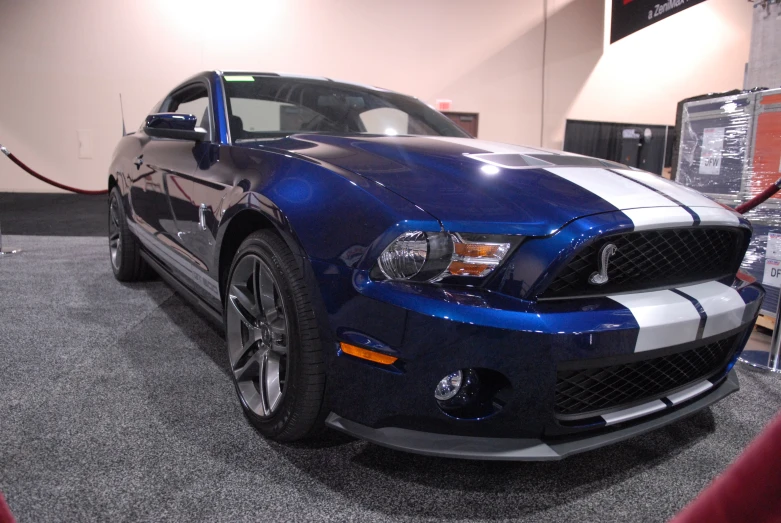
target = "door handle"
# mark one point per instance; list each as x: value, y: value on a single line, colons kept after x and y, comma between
x: 139, y: 161
x: 202, y: 216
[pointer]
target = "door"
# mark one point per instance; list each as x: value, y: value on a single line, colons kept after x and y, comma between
x: 630, y: 147
x: 206, y: 192
x: 466, y: 121
x: 161, y: 194
x: 195, y: 199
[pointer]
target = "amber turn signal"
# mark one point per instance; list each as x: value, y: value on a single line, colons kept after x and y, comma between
x: 459, y: 268
x: 478, y: 250
x: 366, y: 354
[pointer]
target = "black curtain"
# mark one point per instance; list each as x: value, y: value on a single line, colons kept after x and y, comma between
x: 606, y: 140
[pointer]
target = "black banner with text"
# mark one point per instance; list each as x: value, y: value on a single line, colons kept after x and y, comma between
x: 632, y: 15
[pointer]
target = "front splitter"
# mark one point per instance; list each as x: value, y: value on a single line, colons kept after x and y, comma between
x: 512, y: 449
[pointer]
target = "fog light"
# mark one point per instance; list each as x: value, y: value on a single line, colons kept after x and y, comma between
x: 449, y: 386
x: 473, y: 393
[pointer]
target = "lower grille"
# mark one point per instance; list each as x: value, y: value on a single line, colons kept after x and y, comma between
x: 588, y: 390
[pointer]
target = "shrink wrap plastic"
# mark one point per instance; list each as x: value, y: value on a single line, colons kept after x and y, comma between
x: 730, y: 149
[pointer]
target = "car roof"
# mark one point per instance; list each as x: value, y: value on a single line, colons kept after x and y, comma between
x: 296, y: 75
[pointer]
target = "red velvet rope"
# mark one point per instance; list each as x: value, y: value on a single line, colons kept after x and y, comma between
x: 759, y: 198
x: 29, y: 171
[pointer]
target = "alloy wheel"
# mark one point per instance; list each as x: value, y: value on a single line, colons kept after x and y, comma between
x: 258, y: 336
x: 114, y: 237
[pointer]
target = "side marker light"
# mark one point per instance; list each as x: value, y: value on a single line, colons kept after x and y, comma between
x: 366, y: 354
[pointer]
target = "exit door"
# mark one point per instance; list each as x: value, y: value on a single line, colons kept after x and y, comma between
x: 466, y: 121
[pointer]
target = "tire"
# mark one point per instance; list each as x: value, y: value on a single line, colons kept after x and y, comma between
x: 124, y: 249
x: 267, y: 300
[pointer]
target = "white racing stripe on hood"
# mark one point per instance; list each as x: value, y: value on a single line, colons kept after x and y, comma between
x: 708, y: 211
x: 716, y: 216
x: 656, y: 218
x: 640, y: 196
x: 686, y: 196
x: 637, y: 193
x: 620, y: 192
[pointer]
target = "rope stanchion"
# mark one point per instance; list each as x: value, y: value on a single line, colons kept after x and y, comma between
x: 44, y: 179
x: 3, y: 253
x: 9, y: 252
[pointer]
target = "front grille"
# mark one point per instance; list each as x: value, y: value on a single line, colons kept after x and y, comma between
x: 588, y: 390
x: 652, y: 259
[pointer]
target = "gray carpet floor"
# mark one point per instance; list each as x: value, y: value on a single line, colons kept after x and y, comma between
x: 116, y: 404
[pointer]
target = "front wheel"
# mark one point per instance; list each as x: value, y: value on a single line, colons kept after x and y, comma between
x: 273, y: 344
x: 126, y: 261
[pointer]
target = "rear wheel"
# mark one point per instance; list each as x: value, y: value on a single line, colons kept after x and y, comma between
x: 124, y: 249
x: 273, y: 344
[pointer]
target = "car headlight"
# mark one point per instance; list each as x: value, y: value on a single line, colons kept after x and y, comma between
x: 431, y: 256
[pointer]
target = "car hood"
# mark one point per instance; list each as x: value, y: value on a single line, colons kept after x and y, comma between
x: 473, y: 185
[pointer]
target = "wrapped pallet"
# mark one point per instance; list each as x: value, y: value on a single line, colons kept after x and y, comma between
x: 730, y: 149
x: 678, y: 120
x: 714, y: 144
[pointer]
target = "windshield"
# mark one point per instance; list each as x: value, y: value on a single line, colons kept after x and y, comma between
x: 262, y: 106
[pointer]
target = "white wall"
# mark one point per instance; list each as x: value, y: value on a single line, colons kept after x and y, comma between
x: 642, y: 77
x: 63, y: 64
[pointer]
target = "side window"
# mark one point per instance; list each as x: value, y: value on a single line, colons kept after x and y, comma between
x: 259, y: 115
x: 193, y: 100
x: 252, y: 116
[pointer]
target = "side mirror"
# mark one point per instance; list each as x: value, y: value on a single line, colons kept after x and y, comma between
x: 171, y: 125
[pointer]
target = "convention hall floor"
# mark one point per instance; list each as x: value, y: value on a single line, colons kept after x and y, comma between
x: 116, y: 404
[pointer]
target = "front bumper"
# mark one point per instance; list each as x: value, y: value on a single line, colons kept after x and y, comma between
x: 435, y: 330
x: 524, y: 449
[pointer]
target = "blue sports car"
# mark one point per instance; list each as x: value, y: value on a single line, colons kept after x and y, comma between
x: 380, y: 272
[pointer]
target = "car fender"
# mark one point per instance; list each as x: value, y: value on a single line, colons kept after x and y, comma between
x: 323, y: 212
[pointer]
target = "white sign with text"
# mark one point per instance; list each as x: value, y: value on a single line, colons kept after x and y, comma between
x: 710, y: 152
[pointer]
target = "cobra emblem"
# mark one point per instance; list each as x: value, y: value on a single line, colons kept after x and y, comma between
x: 600, y: 277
